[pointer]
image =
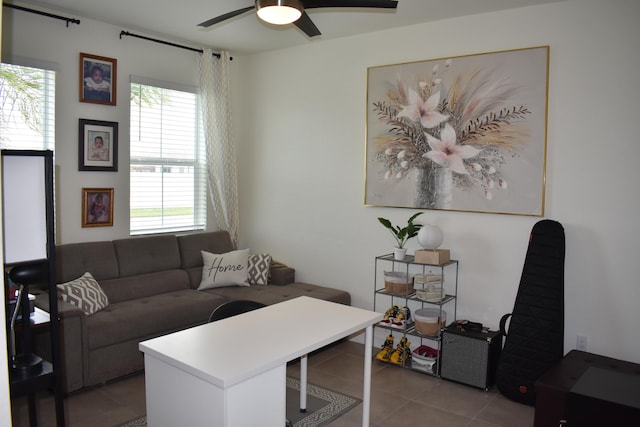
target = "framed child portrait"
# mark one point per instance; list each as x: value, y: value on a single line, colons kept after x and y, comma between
x: 97, y: 207
x: 98, y: 78
x: 98, y: 146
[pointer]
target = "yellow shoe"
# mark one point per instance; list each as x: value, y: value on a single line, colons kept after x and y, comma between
x: 387, y: 349
x: 397, y: 358
x: 402, y: 354
x: 406, y: 355
x: 389, y: 316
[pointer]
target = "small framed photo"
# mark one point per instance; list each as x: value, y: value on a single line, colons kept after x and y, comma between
x: 98, y: 79
x: 97, y: 207
x: 98, y: 146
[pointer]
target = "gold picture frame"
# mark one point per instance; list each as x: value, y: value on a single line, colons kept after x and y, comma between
x: 464, y: 133
x: 98, y: 79
x: 97, y: 207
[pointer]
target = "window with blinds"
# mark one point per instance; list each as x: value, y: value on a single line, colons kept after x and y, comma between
x: 167, y: 170
x: 27, y: 99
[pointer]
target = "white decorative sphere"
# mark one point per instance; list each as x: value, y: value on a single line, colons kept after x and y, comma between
x: 430, y: 236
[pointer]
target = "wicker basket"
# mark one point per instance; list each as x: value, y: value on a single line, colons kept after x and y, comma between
x: 398, y: 283
x: 429, y: 279
x: 431, y: 294
x: 429, y: 321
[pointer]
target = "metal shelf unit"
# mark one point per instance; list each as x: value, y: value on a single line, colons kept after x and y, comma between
x: 449, y: 272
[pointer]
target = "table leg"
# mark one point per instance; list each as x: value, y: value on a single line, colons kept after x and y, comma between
x: 33, y: 415
x: 368, y: 355
x: 303, y: 383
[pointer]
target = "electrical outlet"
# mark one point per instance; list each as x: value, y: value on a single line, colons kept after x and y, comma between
x: 581, y: 343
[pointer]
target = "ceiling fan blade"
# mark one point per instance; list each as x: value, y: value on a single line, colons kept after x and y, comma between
x: 314, y: 4
x: 306, y: 24
x: 224, y: 17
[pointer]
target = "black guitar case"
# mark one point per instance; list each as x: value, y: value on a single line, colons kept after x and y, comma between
x: 534, y: 341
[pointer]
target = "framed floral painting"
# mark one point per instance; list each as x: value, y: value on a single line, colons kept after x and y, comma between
x: 465, y: 133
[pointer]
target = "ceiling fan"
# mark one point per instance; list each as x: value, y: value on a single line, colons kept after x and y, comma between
x: 282, y: 12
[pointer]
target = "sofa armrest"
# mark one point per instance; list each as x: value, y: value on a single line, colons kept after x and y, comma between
x: 280, y: 274
x: 65, y: 310
x: 72, y: 339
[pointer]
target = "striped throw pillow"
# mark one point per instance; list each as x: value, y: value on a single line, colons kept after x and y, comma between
x: 85, y: 293
x: 259, y: 266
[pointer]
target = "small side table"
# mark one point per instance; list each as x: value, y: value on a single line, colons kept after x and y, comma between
x: 28, y: 384
x: 554, y: 386
x: 605, y: 397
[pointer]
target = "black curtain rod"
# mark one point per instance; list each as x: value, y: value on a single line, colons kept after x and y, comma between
x: 37, y: 12
x: 193, y: 49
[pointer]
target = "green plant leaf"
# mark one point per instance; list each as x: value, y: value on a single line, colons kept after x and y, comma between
x: 414, y: 216
x: 385, y: 222
x: 402, y: 234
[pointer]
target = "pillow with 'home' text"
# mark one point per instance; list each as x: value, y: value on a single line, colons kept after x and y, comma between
x: 228, y: 269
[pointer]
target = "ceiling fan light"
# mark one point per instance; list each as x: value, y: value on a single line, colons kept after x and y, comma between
x: 279, y: 12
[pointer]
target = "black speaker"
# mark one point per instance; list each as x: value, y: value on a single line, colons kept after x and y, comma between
x: 470, y: 357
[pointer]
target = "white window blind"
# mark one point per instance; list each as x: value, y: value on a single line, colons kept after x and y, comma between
x: 27, y: 99
x: 167, y: 169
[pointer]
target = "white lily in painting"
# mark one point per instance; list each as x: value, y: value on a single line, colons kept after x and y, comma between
x: 445, y: 152
x: 424, y: 111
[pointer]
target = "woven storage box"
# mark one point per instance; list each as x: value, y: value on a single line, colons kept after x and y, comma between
x: 431, y: 294
x: 428, y: 279
x: 432, y: 256
x: 429, y: 321
x: 396, y: 282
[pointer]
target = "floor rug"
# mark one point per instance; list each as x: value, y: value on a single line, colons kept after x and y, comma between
x: 323, y: 406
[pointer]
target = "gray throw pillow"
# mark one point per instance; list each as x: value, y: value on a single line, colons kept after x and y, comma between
x: 85, y: 293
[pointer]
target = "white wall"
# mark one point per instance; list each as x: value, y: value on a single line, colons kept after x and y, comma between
x: 300, y: 125
x: 301, y: 136
x: 43, y: 39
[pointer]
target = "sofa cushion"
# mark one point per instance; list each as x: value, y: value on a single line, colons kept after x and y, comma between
x: 145, y: 285
x: 259, y: 266
x: 84, y: 293
x: 272, y: 294
x: 156, y: 315
x: 142, y: 255
x: 216, y: 242
x: 74, y: 259
x: 226, y: 269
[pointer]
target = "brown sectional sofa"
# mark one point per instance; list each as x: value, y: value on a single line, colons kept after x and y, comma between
x: 151, y: 284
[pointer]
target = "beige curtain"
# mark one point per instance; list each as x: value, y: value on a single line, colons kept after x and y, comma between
x: 221, y: 156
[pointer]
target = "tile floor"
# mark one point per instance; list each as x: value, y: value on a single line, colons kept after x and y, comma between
x: 400, y: 397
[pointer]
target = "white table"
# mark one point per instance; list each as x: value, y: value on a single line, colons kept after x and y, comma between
x: 233, y: 372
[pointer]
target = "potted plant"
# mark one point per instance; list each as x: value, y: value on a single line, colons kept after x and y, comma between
x: 402, y: 234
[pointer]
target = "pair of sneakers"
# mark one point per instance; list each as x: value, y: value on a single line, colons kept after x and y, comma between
x: 398, y: 356
x: 397, y: 317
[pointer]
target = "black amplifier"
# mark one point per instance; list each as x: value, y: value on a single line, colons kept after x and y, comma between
x: 470, y: 355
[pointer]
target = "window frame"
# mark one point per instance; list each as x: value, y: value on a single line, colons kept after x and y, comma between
x: 48, y: 131
x: 197, y: 163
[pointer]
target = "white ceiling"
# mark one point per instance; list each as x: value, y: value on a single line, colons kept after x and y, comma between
x: 176, y: 21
